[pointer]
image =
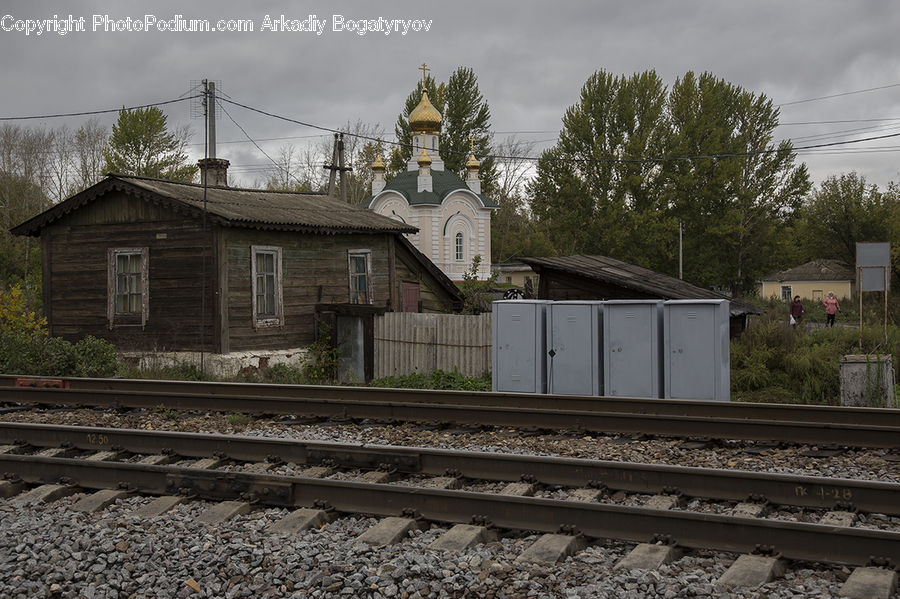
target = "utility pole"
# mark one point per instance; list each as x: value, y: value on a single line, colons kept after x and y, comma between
x: 337, y: 166
x: 680, y: 257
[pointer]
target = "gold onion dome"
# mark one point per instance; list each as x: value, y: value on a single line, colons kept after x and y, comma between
x: 425, y: 118
x: 424, y: 158
x: 378, y: 165
x: 472, y: 163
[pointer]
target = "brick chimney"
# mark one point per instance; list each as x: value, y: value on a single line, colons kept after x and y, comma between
x: 217, y: 171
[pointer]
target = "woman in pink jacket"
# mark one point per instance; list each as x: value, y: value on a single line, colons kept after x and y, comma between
x: 832, y: 307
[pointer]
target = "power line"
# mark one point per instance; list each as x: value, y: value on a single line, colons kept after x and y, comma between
x: 590, y: 160
x: 859, y: 91
x: 278, y: 166
x: 92, y: 112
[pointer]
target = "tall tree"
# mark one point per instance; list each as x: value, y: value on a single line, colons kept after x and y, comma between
x: 726, y: 180
x: 844, y: 210
x: 466, y: 117
x: 89, y: 146
x: 701, y: 154
x: 142, y: 145
x: 466, y: 124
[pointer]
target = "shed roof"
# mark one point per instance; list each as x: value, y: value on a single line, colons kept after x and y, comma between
x: 231, y: 206
x: 817, y: 270
x: 442, y: 182
x: 630, y: 276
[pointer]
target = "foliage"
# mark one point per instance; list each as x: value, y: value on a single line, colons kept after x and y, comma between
x: 634, y: 160
x: 38, y: 354
x: 166, y: 413
x: 772, y: 362
x: 239, y: 420
x: 438, y: 379
x: 142, y: 145
x: 15, y: 314
x: 845, y: 210
x: 476, y: 294
x: 95, y: 357
x: 284, y: 374
x: 321, y: 364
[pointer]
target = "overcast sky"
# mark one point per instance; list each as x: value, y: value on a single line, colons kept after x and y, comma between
x: 531, y: 59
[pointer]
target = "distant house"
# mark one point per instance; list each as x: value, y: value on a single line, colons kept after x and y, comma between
x: 154, y: 265
x: 811, y: 281
x: 603, y: 278
x: 514, y: 273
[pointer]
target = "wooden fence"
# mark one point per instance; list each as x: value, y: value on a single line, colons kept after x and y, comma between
x: 407, y: 342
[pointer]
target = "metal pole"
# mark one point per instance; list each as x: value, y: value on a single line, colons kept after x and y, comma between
x: 886, y: 283
x: 334, y: 159
x: 680, y: 249
x: 211, y: 117
x: 341, y: 167
x: 859, y: 291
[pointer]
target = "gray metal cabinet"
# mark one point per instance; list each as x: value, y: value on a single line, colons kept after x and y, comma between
x: 574, y: 339
x: 632, y: 361
x: 519, y: 346
x: 696, y: 349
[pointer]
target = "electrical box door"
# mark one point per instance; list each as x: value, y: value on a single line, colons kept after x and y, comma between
x: 696, y: 338
x: 632, y: 364
x: 519, y: 346
x: 574, y: 340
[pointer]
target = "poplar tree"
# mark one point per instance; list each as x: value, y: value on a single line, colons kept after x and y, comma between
x: 142, y: 145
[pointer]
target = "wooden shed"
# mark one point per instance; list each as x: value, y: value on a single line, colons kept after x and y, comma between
x: 155, y: 265
x: 602, y: 278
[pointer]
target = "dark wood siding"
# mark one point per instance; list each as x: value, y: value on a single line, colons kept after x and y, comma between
x: 77, y: 270
x: 315, y: 269
x: 432, y: 296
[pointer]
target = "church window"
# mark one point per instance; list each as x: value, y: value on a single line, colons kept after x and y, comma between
x: 459, y: 246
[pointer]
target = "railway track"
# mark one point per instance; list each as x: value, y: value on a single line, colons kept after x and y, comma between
x: 119, y: 466
x: 820, y: 425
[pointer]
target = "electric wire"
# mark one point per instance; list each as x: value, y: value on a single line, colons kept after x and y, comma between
x: 93, y: 112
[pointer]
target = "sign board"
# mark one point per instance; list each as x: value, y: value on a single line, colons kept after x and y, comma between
x: 873, y: 261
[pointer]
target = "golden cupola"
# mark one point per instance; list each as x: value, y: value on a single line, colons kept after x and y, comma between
x: 424, y: 159
x: 378, y: 165
x: 425, y: 118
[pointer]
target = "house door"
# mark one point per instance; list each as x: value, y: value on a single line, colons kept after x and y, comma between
x: 410, y: 297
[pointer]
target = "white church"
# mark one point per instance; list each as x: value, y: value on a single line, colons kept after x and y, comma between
x: 452, y: 215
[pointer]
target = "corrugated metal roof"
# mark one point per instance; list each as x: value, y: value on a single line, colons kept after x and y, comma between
x: 630, y: 276
x: 257, y: 208
x: 817, y: 270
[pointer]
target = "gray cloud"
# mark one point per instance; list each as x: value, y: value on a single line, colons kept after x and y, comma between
x: 531, y: 59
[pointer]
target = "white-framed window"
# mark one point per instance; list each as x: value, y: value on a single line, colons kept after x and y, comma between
x: 265, y: 272
x: 459, y: 246
x: 127, y: 286
x: 786, y: 294
x: 360, y: 277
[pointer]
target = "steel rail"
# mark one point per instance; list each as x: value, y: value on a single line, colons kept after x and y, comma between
x: 842, y: 434
x: 735, y: 485
x: 660, y: 407
x: 800, y: 541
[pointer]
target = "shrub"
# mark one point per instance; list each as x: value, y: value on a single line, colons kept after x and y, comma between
x: 285, y: 375
x: 95, y: 358
x: 438, y: 379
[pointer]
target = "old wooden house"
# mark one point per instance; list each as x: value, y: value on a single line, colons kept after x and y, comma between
x: 154, y: 265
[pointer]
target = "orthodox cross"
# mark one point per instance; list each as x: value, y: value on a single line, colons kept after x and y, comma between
x: 424, y: 68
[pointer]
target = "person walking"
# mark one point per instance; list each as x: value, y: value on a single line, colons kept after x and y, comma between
x: 832, y: 307
x: 796, y: 311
